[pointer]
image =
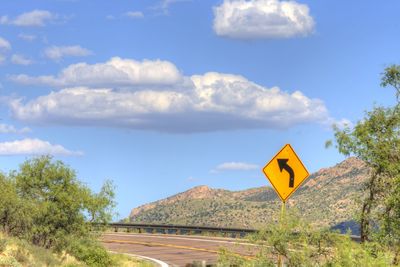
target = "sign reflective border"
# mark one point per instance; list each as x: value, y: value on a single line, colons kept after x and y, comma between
x: 285, y: 172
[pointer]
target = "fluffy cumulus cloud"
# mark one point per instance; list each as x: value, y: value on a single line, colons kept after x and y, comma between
x: 235, y: 166
x: 58, y: 52
x: 262, y: 19
x: 153, y: 95
x: 115, y: 72
x: 35, y: 18
x: 34, y: 147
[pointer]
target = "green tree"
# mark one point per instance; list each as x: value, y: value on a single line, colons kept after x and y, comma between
x: 391, y: 77
x: 100, y: 205
x: 390, y: 222
x: 16, y: 214
x: 62, y: 203
x: 376, y: 140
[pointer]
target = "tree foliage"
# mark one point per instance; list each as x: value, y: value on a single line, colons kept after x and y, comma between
x: 16, y: 213
x: 376, y: 140
x: 100, y: 205
x: 44, y: 202
x: 391, y: 77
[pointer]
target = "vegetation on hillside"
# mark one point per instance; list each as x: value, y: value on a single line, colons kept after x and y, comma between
x: 44, y: 204
x: 326, y: 200
x: 16, y: 252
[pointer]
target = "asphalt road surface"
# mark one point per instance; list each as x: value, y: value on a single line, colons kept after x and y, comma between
x: 174, y: 250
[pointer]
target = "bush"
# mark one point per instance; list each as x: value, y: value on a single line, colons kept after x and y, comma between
x: 90, y: 252
x: 229, y: 258
x: 3, y: 245
x: 298, y: 244
x: 349, y: 253
x: 9, y: 262
x: 21, y: 255
x: 44, y: 256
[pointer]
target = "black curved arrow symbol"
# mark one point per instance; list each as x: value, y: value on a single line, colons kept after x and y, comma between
x: 283, y: 165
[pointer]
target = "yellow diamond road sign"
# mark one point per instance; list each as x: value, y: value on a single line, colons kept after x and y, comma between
x: 286, y: 172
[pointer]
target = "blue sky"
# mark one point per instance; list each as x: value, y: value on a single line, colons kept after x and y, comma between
x: 164, y: 95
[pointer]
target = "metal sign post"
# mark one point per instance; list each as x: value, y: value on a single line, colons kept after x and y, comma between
x: 286, y: 173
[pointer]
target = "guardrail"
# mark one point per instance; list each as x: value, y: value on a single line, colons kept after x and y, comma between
x: 188, y: 230
x: 180, y: 229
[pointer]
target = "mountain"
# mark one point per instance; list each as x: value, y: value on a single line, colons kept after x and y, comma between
x: 327, y: 199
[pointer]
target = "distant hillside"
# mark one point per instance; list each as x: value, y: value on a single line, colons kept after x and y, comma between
x: 326, y: 199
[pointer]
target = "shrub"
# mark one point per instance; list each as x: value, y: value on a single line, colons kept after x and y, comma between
x: 3, y: 245
x: 298, y: 244
x: 44, y: 256
x: 90, y: 252
x: 9, y: 262
x: 349, y: 253
x: 20, y: 255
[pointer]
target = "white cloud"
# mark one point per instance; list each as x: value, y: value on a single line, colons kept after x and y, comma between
x: 2, y: 59
x: 4, y: 44
x: 115, y: 72
x: 134, y: 14
x: 35, y: 18
x: 209, y: 102
x: 164, y: 5
x: 58, y: 52
x: 262, y: 19
x: 235, y: 166
x: 4, y: 20
x: 21, y: 60
x: 27, y: 37
x: 10, y: 129
x: 34, y: 147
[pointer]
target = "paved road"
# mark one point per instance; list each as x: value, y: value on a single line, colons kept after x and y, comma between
x: 175, y: 250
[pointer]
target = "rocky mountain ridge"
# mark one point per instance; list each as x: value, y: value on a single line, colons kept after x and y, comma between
x: 326, y: 199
